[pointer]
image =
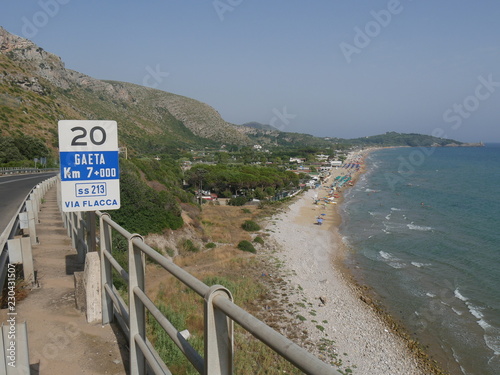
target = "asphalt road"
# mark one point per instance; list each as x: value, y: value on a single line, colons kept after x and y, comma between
x: 13, y: 191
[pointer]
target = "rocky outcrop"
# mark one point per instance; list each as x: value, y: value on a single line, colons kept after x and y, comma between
x: 200, y: 118
x: 480, y: 144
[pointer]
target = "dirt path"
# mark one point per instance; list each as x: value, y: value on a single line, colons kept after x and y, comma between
x: 60, y: 340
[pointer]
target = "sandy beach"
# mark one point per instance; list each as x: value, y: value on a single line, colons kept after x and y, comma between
x: 313, y: 254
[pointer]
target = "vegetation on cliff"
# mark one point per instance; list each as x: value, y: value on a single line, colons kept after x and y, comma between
x: 21, y: 150
x: 146, y: 209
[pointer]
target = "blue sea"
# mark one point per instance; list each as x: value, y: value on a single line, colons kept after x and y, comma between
x: 423, y: 226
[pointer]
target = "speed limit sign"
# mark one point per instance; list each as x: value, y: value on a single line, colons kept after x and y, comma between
x: 90, y: 174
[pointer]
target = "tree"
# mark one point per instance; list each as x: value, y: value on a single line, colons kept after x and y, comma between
x: 31, y: 147
x: 144, y: 210
x: 222, y: 157
x: 9, y: 151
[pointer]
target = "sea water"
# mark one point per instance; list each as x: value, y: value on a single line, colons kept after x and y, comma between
x: 424, y: 229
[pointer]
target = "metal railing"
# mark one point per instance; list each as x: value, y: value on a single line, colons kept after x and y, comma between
x: 219, y: 314
x: 28, y: 212
x: 16, y: 170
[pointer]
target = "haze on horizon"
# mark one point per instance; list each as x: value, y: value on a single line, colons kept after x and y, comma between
x: 329, y: 68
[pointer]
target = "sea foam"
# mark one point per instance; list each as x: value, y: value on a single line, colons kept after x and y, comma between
x: 419, y: 265
x: 460, y: 296
x: 418, y: 227
x: 392, y: 260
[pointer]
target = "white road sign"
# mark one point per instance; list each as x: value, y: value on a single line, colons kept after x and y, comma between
x: 90, y: 175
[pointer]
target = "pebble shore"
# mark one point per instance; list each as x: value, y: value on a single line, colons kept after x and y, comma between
x: 334, y: 312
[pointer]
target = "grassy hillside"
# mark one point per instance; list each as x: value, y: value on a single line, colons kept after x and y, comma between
x: 28, y: 105
x: 36, y: 91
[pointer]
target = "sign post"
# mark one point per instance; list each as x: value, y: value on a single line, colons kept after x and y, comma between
x: 90, y: 175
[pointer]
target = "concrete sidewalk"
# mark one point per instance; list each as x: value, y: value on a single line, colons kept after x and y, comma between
x: 60, y: 339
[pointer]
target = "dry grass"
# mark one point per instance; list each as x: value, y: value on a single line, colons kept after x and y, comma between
x: 223, y: 223
x: 243, y: 273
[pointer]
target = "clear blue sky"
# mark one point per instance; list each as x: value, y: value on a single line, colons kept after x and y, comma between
x: 344, y: 68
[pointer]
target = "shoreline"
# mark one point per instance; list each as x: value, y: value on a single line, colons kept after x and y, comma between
x: 339, y: 310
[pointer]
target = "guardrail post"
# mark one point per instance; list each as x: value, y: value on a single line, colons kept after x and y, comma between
x: 35, y: 204
x: 27, y: 253
x: 20, y: 252
x: 219, y: 347
x: 20, y: 352
x: 15, y: 250
x: 31, y: 221
x: 137, y: 313
x: 80, y: 235
x: 59, y: 203
x: 71, y: 228
x: 106, y: 269
x: 90, y: 224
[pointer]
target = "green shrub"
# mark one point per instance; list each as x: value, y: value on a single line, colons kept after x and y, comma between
x: 188, y: 245
x: 168, y: 351
x: 246, y: 246
x: 210, y: 245
x: 250, y: 226
x: 144, y: 210
x: 259, y: 240
x: 170, y: 252
x: 238, y: 201
x: 225, y: 194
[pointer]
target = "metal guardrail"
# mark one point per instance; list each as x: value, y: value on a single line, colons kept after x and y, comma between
x: 17, y: 170
x: 220, y: 312
x: 31, y: 206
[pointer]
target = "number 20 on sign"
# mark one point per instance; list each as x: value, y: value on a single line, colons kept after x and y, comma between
x: 90, y: 174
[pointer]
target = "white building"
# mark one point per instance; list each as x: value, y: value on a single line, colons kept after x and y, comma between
x: 322, y: 157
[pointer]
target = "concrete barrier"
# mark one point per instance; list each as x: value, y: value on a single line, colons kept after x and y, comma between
x: 92, y: 284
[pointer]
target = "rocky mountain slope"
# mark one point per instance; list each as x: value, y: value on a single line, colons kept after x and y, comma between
x: 36, y: 90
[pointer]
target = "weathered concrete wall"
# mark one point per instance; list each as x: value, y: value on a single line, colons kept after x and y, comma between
x: 92, y: 282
